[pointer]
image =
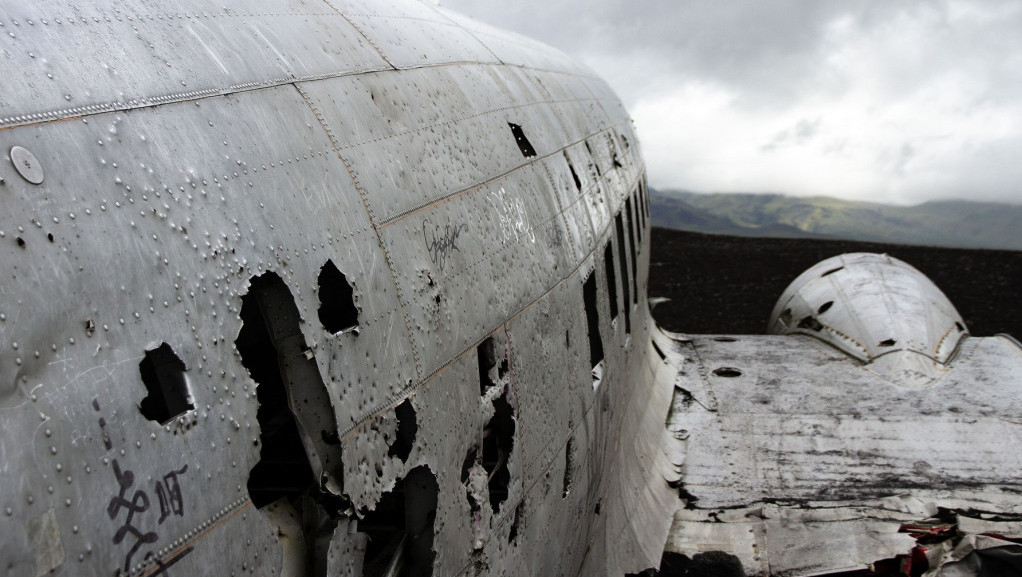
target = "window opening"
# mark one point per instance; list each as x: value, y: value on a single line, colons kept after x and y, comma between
x: 592, y: 320
x: 608, y: 263
x: 632, y: 253
x: 523, y: 143
x: 574, y: 175
x: 163, y: 374
x: 401, y: 528
x: 337, y: 309
x: 635, y: 216
x: 619, y: 225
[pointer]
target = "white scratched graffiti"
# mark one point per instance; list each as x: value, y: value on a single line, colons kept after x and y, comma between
x: 512, y: 216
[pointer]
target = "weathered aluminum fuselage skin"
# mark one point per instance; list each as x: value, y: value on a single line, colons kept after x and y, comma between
x: 186, y: 151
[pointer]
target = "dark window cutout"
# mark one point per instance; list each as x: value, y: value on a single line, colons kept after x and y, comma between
x: 592, y: 319
x: 888, y: 343
x: 633, y: 252
x: 960, y: 327
x: 523, y: 143
x: 608, y: 263
x: 636, y: 210
x: 498, y: 442
x: 619, y: 225
x: 407, y: 427
x: 824, y: 307
x: 569, y: 467
x: 163, y: 374
x: 401, y: 528
x: 831, y: 271
x: 337, y: 309
x: 574, y: 175
x: 727, y: 372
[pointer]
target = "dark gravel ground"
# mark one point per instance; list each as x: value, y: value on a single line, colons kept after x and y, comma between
x: 725, y: 284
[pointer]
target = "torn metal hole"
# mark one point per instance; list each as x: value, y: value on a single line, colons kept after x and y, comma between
x: 498, y: 443
x: 888, y: 343
x: 523, y: 143
x: 401, y: 528
x: 725, y: 339
x: 727, y: 372
x: 824, y: 307
x: 519, y: 511
x: 960, y: 327
x: 337, y: 310
x: 163, y: 374
x: 407, y: 427
x: 785, y: 317
x: 299, y: 448
x: 810, y: 323
x: 487, y: 358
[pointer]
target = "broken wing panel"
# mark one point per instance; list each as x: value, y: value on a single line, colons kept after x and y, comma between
x: 806, y: 450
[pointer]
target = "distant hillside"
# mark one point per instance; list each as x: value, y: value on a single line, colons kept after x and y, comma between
x: 945, y: 223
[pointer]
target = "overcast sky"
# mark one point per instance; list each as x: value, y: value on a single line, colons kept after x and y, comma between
x: 896, y: 101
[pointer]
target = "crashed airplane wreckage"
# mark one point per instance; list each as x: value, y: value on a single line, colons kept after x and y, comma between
x: 339, y: 287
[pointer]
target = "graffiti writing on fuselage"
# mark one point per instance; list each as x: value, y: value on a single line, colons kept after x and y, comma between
x: 512, y: 217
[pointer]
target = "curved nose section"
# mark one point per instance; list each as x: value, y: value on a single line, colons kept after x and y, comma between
x: 876, y: 309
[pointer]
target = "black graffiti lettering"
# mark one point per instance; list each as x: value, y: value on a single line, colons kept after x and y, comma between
x: 169, y: 494
x: 441, y: 241
x: 139, y: 503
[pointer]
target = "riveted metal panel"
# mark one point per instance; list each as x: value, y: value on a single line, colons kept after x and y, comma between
x: 409, y: 33
x: 476, y: 260
x: 515, y: 49
x: 142, y: 54
x: 553, y: 379
x: 149, y: 226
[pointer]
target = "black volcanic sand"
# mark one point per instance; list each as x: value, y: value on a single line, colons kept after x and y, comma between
x: 725, y: 284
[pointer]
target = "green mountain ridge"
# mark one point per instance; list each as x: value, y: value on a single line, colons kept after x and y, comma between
x: 956, y: 223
